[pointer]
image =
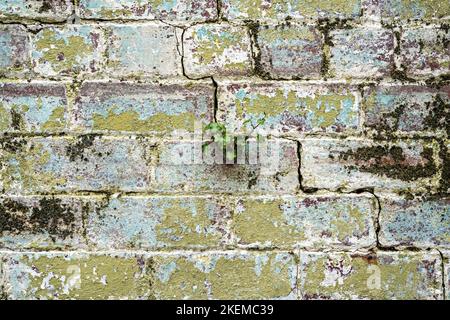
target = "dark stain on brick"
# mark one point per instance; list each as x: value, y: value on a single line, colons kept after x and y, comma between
x: 439, y: 115
x: 76, y: 150
x: 390, y: 162
x: 16, y: 120
x: 445, y: 174
x: 12, y: 145
x: 47, y: 5
x: 50, y: 216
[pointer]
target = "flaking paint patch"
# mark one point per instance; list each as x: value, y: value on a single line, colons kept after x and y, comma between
x: 226, y: 276
x: 178, y: 10
x: 315, y: 222
x: 281, y: 9
x: 289, y: 108
x: 385, y: 275
x: 33, y: 108
x: 143, y: 108
x: 76, y: 276
x: 216, y: 49
x: 158, y: 222
x: 70, y: 50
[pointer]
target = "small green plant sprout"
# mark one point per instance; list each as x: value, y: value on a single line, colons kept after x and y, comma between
x: 220, y: 142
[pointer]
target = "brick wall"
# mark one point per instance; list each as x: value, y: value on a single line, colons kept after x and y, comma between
x: 94, y: 93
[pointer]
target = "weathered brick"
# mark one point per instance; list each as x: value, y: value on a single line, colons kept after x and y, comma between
x: 37, y: 107
x: 280, y: 10
x: 14, y: 51
x: 144, y: 50
x: 414, y: 9
x: 216, y: 49
x: 155, y: 108
x: 174, y: 10
x: 243, y: 275
x: 425, y: 52
x: 406, y: 108
x: 353, y: 164
x: 43, y: 222
x: 178, y: 170
x: 361, y: 53
x: 76, y: 276
x: 445, y: 157
x: 421, y: 223
x: 447, y: 274
x: 48, y: 11
x: 69, y: 164
x: 158, y: 222
x: 384, y: 275
x: 290, y: 51
x: 312, y: 221
x: 286, y: 107
x: 70, y: 50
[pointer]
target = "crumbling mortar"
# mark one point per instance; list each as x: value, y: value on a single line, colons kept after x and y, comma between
x: 444, y: 287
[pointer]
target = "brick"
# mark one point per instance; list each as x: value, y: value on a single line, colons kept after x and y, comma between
x: 445, y: 157
x: 140, y: 51
x: 380, y: 276
x: 280, y: 10
x: 307, y: 221
x: 47, y: 11
x: 177, y: 10
x: 36, y: 165
x: 423, y: 223
x: 144, y: 108
x: 414, y: 9
x: 178, y: 170
x: 68, y: 51
x: 353, y: 164
x: 37, y: 107
x: 216, y: 49
x: 288, y: 108
x: 14, y: 51
x: 425, y: 52
x: 406, y: 109
x: 290, y: 51
x: 43, y: 222
x: 76, y: 276
x: 233, y: 275
x: 158, y: 222
x: 361, y: 53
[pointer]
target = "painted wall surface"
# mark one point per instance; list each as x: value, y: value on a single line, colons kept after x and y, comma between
x: 230, y: 149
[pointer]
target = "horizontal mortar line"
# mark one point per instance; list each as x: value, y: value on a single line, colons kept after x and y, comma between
x: 208, y: 251
x: 320, y: 193
x: 225, y: 80
x: 156, y: 138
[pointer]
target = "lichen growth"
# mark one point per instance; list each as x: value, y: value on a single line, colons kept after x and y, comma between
x: 132, y: 121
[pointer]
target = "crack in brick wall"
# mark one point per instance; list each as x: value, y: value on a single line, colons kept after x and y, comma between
x: 356, y: 93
